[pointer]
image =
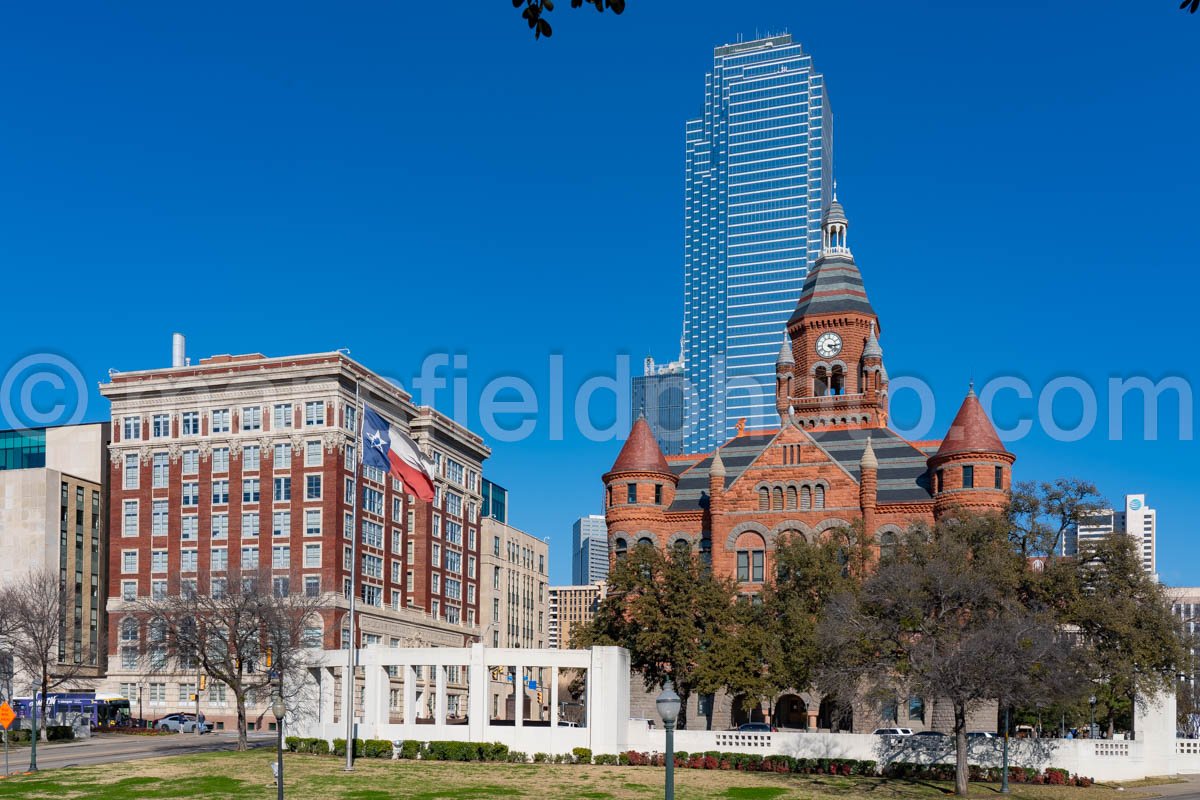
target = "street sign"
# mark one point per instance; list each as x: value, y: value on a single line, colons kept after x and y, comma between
x: 7, y: 715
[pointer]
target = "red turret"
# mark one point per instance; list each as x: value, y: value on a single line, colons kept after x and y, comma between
x: 971, y: 469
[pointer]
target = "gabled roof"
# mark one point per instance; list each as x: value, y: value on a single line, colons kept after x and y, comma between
x: 738, y: 454
x: 902, y: 473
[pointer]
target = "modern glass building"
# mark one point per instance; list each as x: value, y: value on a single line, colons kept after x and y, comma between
x: 589, y: 550
x: 658, y: 394
x: 495, y: 501
x: 759, y: 170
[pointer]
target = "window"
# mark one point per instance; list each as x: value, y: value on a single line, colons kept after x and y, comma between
x: 189, y: 527
x: 282, y: 418
x: 999, y: 478
x: 281, y: 586
x: 249, y: 558
x: 347, y: 558
x: 454, y: 471
x: 314, y: 413
x: 283, y: 489
x: 437, y: 525
x: 129, y: 590
x: 436, y: 609
x: 158, y: 561
x: 252, y: 418
x: 631, y: 493
x: 373, y: 595
x: 470, y: 593
x: 437, y: 555
x: 887, y: 545
x: 372, y: 501
x: 191, y: 461
x: 220, y: 526
x: 350, y: 461
x: 495, y: 545
x: 471, y: 566
x: 283, y: 456
x: 312, y: 588
x: 968, y: 475
x: 158, y: 518
x: 220, y: 460
x: 250, y: 490
x: 131, y: 471
x: 454, y: 504
x: 312, y: 454
x: 395, y: 540
x: 347, y: 526
x: 372, y: 534
x: 217, y: 587
x: 372, y: 566
x: 408, y: 580
x: 312, y: 487
x: 818, y: 497
x: 435, y: 583
x: 129, y: 521
x: 220, y: 493
x: 351, y: 418
x: 281, y: 556
x: 916, y: 708
x: 188, y: 560
x: 453, y: 589
x: 409, y: 552
x: 251, y: 455
x: 191, y: 423
x: 249, y: 525
x: 312, y: 555
x: 131, y: 428
x: 281, y: 523
x: 312, y: 522
x: 129, y: 561
x: 220, y: 420
x: 940, y: 480
x: 160, y: 426
x: 453, y: 532
x: 191, y: 494
x: 129, y: 658
x: 219, y: 559
x: 158, y: 471
x: 454, y: 562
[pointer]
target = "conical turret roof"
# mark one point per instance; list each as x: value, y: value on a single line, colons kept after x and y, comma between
x: 971, y: 431
x: 641, y: 452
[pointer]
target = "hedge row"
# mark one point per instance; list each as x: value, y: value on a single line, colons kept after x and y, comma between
x: 1051, y: 776
x: 409, y: 749
x: 54, y: 733
x: 750, y: 762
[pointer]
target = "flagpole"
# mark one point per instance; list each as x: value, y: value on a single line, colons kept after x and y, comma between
x: 348, y: 689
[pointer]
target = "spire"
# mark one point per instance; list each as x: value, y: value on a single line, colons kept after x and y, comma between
x: 785, y: 352
x: 868, y: 460
x: 717, y: 470
x: 873, y: 348
x: 971, y: 431
x: 641, y: 452
x: 834, y: 285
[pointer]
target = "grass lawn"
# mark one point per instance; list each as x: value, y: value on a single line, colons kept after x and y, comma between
x: 248, y: 775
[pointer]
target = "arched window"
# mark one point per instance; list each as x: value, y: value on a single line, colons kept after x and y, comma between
x: 681, y: 545
x: 820, y: 382
x: 764, y: 499
x: 819, y: 497
x: 645, y: 540
x: 837, y: 380
x: 620, y: 547
x: 129, y: 630
x: 887, y: 545
x: 777, y: 499
x: 805, y: 498
x: 791, y: 497
x: 751, y: 557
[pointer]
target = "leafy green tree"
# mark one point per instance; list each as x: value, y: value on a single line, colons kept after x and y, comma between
x: 673, y: 616
x: 943, y: 617
x: 1132, y: 643
x: 1040, y: 514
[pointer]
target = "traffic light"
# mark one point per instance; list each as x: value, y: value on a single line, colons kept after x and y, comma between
x: 539, y: 695
x: 203, y: 683
x: 268, y: 658
x: 193, y: 697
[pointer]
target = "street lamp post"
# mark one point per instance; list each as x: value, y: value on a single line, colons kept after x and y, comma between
x: 279, y: 709
x: 141, y: 719
x: 668, y: 708
x: 1004, y: 773
x: 1092, y: 718
x: 33, y: 709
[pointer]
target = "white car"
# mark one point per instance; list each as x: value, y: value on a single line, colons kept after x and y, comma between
x: 181, y: 723
x: 893, y: 732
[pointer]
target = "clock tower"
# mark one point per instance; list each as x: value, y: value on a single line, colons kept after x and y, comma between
x: 830, y: 371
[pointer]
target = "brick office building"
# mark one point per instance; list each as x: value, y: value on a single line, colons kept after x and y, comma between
x: 832, y: 463
x: 245, y: 460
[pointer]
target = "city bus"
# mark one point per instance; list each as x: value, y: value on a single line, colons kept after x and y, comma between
x: 63, y: 708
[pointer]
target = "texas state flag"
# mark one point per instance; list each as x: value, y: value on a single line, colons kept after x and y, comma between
x: 388, y: 448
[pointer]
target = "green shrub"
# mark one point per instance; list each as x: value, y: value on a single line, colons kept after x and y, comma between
x: 605, y: 759
x: 541, y: 758
x: 339, y: 747
x: 314, y: 745
x: 56, y: 733
x: 623, y: 759
x: 494, y: 751
x: 410, y: 749
x: 516, y: 756
x: 292, y: 743
x: 377, y: 748
x: 583, y: 755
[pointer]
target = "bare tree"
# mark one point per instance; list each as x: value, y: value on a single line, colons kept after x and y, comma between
x: 39, y: 603
x: 1040, y: 514
x: 8, y: 635
x: 944, y: 617
x: 246, y: 632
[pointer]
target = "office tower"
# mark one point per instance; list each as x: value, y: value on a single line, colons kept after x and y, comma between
x: 515, y: 603
x: 571, y: 606
x: 1136, y: 519
x: 53, y: 506
x: 759, y: 173
x: 589, y: 550
x: 659, y: 394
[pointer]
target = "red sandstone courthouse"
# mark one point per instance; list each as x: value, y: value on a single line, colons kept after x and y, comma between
x: 832, y: 462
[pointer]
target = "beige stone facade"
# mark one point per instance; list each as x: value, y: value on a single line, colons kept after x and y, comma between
x: 571, y: 606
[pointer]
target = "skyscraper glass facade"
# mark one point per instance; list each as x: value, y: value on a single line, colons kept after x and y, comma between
x: 659, y: 396
x: 759, y: 165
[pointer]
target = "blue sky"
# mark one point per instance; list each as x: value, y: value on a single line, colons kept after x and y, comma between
x: 296, y: 177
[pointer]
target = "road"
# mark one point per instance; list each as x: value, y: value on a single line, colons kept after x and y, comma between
x: 114, y: 747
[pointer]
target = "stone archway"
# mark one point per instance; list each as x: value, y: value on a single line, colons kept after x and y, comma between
x: 741, y: 716
x: 790, y: 712
x: 834, y: 717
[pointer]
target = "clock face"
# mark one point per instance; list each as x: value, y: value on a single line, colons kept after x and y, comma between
x: 829, y: 345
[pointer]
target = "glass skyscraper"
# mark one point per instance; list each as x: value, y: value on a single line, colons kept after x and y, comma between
x: 758, y: 175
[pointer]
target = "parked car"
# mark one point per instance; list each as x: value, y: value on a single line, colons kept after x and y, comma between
x: 893, y: 732
x: 931, y: 734
x: 974, y: 736
x: 566, y: 723
x: 180, y: 723
x: 755, y: 727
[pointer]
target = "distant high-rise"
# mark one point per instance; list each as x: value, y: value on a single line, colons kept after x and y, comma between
x: 1136, y: 519
x: 759, y: 172
x: 658, y: 394
x: 589, y: 550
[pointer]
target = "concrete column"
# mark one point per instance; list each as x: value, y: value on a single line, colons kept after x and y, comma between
x: 478, y: 686
x: 325, y: 680
x: 375, y: 699
x: 410, y: 694
x: 553, y: 701
x: 519, y: 696
x: 812, y: 719
x: 439, y: 703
